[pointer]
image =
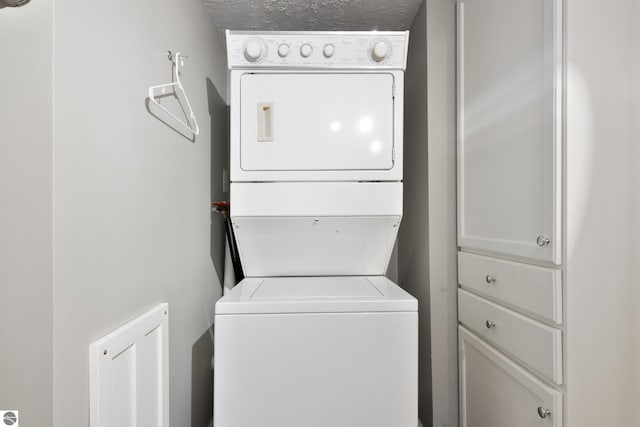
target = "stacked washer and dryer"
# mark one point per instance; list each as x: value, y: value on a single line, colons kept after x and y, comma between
x: 316, y: 335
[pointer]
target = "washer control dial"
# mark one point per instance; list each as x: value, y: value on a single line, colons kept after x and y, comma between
x: 305, y: 50
x: 283, y: 50
x: 254, y: 50
x: 380, y: 50
x: 328, y: 50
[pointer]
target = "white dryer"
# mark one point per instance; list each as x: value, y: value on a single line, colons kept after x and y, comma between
x: 316, y: 335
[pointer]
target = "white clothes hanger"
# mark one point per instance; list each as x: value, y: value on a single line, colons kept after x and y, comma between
x: 178, y: 89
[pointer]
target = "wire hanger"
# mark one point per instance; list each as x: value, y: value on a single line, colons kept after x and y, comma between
x: 161, y: 90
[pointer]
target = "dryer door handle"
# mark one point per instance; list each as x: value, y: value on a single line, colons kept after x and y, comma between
x: 265, y: 122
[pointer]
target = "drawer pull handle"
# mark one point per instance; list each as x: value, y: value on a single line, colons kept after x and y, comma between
x: 490, y: 279
x: 542, y: 241
x: 543, y: 412
x: 489, y: 324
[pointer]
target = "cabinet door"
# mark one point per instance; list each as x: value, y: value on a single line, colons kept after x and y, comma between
x: 496, y: 392
x: 509, y: 127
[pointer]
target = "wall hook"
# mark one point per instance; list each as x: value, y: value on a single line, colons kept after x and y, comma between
x: 191, y: 124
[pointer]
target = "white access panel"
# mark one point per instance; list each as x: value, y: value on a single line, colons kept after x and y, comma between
x: 316, y: 370
x: 129, y: 373
x: 316, y: 122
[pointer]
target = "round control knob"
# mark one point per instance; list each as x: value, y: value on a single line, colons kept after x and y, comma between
x: 305, y: 50
x: 380, y: 50
x: 328, y: 50
x: 283, y: 50
x: 253, y: 50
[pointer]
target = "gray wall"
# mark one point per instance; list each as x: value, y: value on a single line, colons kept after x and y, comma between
x: 26, y: 272
x: 413, y: 239
x: 601, y: 213
x: 427, y: 241
x: 443, y: 281
x: 635, y: 179
x: 132, y: 219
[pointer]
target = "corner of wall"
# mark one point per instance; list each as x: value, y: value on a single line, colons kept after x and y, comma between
x: 26, y: 253
x: 441, y: 106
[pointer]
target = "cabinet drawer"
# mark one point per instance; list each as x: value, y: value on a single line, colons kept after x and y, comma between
x: 496, y: 392
x: 537, y: 345
x: 537, y: 290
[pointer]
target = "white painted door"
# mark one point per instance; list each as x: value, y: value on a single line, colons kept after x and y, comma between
x: 313, y: 121
x: 509, y: 127
x: 496, y: 392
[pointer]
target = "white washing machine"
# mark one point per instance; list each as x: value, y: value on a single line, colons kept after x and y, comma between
x: 316, y: 335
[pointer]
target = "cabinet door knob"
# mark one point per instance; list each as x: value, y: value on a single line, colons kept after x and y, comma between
x: 489, y: 324
x: 542, y: 241
x: 543, y: 412
x: 490, y: 279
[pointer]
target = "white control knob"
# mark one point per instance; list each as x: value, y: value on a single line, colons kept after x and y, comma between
x: 380, y: 51
x: 253, y: 50
x: 305, y: 50
x: 328, y: 50
x: 283, y: 50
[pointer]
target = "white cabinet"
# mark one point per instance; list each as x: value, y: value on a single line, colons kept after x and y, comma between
x: 495, y: 392
x: 509, y: 127
x: 530, y: 165
x: 510, y: 213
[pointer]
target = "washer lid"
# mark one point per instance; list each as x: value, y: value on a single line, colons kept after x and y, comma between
x: 348, y: 294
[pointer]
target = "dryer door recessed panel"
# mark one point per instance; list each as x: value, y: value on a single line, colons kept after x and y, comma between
x: 318, y: 122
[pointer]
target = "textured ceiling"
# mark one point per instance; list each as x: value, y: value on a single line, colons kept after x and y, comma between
x: 307, y: 15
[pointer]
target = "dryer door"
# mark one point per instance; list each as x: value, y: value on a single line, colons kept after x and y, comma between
x: 317, y: 122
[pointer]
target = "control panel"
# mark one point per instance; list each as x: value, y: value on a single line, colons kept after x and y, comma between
x: 321, y: 49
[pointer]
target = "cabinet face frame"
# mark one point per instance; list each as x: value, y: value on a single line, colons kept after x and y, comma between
x: 553, y: 84
x: 551, y: 399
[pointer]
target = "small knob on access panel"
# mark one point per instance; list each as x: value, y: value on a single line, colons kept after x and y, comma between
x: 283, y: 50
x: 253, y: 51
x: 380, y: 50
x: 305, y: 50
x: 328, y: 50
